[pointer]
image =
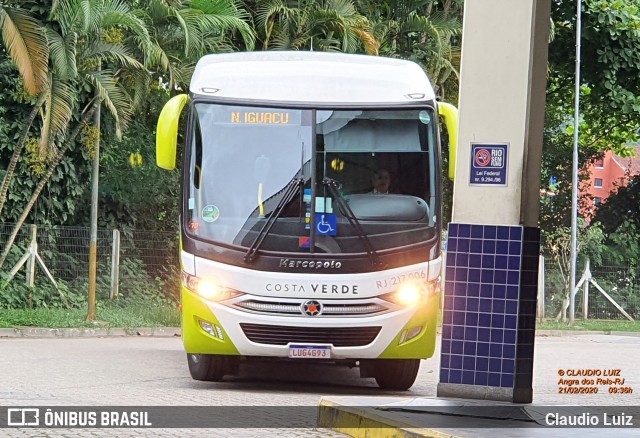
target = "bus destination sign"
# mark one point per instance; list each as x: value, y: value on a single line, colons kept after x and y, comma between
x: 262, y: 117
x: 488, y: 164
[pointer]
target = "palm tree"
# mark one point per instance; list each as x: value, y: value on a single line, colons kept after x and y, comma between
x: 22, y: 36
x: 27, y: 46
x: 325, y: 25
x: 97, y: 45
x: 182, y: 31
x: 420, y: 30
x: 92, y: 35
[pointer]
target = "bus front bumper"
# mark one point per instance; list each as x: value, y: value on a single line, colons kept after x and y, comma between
x: 214, y: 328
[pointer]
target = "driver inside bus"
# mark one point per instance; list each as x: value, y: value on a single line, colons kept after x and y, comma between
x: 381, y: 182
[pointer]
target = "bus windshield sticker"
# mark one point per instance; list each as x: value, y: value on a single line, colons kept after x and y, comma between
x: 326, y: 224
x: 307, y: 216
x: 304, y: 242
x: 323, y: 205
x: 210, y: 213
x: 192, y: 203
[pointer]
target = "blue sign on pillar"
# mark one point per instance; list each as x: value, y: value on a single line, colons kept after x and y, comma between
x: 488, y: 164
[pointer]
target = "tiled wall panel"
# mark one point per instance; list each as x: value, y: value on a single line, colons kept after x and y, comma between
x: 489, y: 310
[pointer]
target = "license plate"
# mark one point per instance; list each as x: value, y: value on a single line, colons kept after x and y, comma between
x: 310, y: 351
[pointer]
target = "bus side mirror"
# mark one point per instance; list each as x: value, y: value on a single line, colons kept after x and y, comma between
x: 450, y: 115
x: 167, y: 131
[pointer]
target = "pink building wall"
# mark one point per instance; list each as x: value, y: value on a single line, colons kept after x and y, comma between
x: 614, y: 171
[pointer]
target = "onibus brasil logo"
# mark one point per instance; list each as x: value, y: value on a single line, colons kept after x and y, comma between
x: 82, y: 417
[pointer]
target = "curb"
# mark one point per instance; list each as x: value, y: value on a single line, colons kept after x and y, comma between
x: 363, y: 423
x: 584, y: 332
x: 87, y: 332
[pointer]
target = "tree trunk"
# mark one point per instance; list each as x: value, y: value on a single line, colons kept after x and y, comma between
x: 18, y: 151
x: 562, y: 314
x: 43, y: 182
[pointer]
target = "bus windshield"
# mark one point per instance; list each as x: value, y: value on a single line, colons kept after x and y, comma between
x: 303, y: 180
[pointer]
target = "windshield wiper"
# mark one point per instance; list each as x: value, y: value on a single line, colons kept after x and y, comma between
x: 347, y: 212
x: 289, y: 192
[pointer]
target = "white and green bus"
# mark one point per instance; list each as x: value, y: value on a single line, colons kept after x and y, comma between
x: 289, y: 248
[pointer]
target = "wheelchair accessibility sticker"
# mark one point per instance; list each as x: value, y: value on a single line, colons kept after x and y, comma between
x: 326, y: 224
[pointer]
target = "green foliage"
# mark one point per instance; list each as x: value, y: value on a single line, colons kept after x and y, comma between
x: 75, y: 29
x: 133, y: 316
x: 139, y: 196
x: 168, y: 37
x: 622, y: 252
x: 26, y: 45
x: 614, y: 265
x: 624, y: 289
x: 89, y: 136
x: 621, y: 213
x: 623, y: 244
x: 610, y: 93
x: 59, y: 202
x: 331, y: 25
x: 610, y: 42
x: 137, y: 287
x: 183, y: 31
x: 33, y: 159
x: 589, y: 243
x: 606, y: 326
x: 425, y: 31
x: 17, y: 295
x: 555, y: 287
x: 557, y: 244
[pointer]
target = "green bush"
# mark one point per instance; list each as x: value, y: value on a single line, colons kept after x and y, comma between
x: 17, y: 295
x: 137, y: 287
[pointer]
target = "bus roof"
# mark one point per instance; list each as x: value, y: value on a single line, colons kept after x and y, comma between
x: 310, y: 77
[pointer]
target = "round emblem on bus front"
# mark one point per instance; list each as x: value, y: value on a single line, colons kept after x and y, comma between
x: 311, y: 308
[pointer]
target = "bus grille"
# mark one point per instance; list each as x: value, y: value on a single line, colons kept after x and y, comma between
x: 337, y: 336
x: 295, y: 309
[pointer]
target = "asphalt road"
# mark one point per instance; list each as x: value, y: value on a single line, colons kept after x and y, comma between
x: 152, y: 371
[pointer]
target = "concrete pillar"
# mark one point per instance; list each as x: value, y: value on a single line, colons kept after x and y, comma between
x: 494, y: 240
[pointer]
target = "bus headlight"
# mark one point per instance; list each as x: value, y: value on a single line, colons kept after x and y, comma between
x: 210, y: 288
x: 411, y: 293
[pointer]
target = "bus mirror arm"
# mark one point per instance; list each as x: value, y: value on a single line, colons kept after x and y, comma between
x: 347, y: 212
